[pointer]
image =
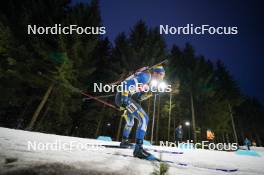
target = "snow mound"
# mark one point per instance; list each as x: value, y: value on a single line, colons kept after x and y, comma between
x: 17, y: 158
x: 51, y: 169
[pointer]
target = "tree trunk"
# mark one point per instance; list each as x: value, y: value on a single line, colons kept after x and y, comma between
x: 38, y: 125
x: 99, y: 126
x: 148, y: 134
x: 153, y: 119
x: 174, y: 126
x: 157, y: 123
x: 169, y: 122
x: 149, y: 106
x: 227, y: 138
x: 233, y: 123
x: 40, y: 106
x: 223, y: 137
x: 193, y: 119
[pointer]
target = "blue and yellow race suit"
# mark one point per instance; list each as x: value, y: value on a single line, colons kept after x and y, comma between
x: 124, y: 99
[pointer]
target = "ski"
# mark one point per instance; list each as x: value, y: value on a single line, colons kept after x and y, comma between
x: 132, y: 146
x: 172, y: 163
x: 164, y: 151
x: 215, y: 169
x: 151, y: 158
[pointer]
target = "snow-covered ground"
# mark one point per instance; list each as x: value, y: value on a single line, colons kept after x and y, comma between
x: 17, y: 158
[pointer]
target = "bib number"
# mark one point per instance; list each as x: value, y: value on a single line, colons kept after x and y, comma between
x: 131, y: 108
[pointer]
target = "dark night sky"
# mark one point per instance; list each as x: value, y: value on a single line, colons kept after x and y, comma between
x: 241, y: 53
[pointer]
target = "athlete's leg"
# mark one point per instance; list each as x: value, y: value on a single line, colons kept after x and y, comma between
x: 136, y: 111
x: 129, y: 124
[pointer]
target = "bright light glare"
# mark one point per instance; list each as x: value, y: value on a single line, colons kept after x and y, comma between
x: 162, y: 86
x: 154, y: 83
x: 187, y: 123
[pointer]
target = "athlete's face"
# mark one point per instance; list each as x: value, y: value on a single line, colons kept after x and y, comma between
x: 157, y: 76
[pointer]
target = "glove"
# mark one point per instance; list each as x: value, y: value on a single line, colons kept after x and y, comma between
x: 124, y: 99
x: 144, y: 96
x: 122, y: 108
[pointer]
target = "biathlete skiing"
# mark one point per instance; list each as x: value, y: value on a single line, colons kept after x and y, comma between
x: 142, y: 81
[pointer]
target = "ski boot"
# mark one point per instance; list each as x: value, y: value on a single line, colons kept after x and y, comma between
x: 141, y: 153
x: 124, y: 143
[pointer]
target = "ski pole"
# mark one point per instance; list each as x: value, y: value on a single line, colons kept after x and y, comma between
x: 102, y: 96
x: 99, y: 100
x: 74, y: 89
